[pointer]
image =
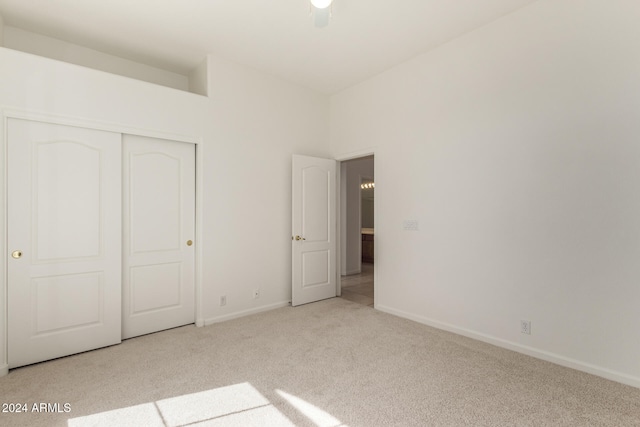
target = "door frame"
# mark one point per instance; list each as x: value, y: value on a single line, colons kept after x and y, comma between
x: 371, y: 151
x: 7, y: 113
x: 362, y: 179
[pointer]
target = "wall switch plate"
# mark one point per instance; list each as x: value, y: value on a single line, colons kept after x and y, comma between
x: 525, y: 327
x: 410, y: 225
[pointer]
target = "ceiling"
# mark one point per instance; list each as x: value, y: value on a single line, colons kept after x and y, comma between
x: 363, y: 38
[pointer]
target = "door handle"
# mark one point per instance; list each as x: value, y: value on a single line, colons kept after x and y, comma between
x: 16, y: 254
x: 300, y: 238
x: 189, y: 242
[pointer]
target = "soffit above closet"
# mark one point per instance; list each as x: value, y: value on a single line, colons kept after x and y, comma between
x: 363, y: 38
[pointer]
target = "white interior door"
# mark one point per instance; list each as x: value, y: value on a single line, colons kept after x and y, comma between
x: 159, y: 227
x: 313, y: 229
x: 64, y: 232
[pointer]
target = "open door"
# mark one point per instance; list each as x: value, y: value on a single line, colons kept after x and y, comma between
x: 313, y: 235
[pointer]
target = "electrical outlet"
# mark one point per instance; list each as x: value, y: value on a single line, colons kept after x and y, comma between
x: 525, y: 327
x: 256, y: 293
x: 223, y: 300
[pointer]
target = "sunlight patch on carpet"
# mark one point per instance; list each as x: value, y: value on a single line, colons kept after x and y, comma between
x: 315, y: 414
x: 236, y: 405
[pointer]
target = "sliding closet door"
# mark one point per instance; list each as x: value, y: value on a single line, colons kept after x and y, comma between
x: 64, y: 235
x: 159, y: 231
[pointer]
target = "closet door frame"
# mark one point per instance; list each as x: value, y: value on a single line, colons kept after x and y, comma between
x: 5, y: 115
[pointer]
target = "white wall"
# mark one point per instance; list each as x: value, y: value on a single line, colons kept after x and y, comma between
x: 516, y: 148
x: 257, y: 122
x: 199, y: 79
x: 351, y: 235
x: 248, y: 130
x: 25, y: 41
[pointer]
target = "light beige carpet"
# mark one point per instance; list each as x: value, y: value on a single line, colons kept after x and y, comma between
x: 330, y: 363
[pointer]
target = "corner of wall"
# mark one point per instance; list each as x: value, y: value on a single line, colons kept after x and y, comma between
x: 199, y: 78
x: 243, y: 313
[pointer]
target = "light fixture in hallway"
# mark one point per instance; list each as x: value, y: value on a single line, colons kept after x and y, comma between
x: 367, y: 185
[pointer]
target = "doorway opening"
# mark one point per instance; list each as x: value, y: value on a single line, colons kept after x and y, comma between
x: 357, y: 195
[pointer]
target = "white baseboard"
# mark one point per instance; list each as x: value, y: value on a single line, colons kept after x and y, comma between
x: 519, y: 348
x: 243, y: 313
x: 4, y: 370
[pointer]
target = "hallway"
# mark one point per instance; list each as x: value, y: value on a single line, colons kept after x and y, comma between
x: 359, y: 287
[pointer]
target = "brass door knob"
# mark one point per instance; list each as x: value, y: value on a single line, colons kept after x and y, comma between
x: 189, y: 243
x: 16, y: 254
x: 300, y: 238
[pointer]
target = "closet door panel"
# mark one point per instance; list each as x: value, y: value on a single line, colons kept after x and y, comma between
x: 64, y: 232
x: 159, y: 227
